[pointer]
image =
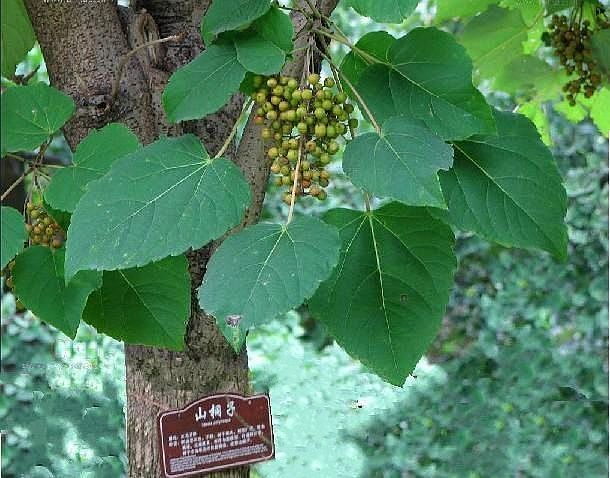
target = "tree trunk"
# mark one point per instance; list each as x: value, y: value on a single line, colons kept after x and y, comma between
x: 82, y: 44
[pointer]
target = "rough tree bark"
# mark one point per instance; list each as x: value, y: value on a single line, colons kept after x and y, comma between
x: 82, y: 44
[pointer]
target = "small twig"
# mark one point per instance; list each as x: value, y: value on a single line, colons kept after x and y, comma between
x: 233, y: 132
x: 125, y: 59
x: 17, y: 182
x: 294, y: 9
x: 26, y: 157
x: 345, y: 41
x: 38, y: 162
x: 313, y: 9
x: 14, y: 156
x: 23, y: 79
x: 336, y: 27
x: 367, y: 201
x: 299, y: 49
x: 293, y: 194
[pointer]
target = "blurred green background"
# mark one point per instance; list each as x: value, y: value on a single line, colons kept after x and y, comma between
x: 516, y: 385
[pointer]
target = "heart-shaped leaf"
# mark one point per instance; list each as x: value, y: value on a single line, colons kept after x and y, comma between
x: 39, y: 282
x: 401, y: 163
x: 258, y: 55
x: 147, y: 305
x: 428, y: 76
x: 507, y: 188
x: 204, y: 85
x: 276, y: 27
x: 92, y: 159
x: 385, y: 300
x: 227, y: 16
x: 264, y: 271
x: 31, y: 114
x: 157, y: 202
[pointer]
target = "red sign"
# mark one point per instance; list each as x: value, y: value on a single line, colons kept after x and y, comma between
x: 214, y: 433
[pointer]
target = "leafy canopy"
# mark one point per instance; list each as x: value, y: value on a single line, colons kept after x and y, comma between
x: 379, y: 278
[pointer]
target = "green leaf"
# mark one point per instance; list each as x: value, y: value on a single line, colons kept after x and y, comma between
x: 31, y: 114
x: 600, y: 111
x: 264, y: 271
x: 531, y: 10
x: 147, y: 305
x: 258, y: 55
x: 401, y: 163
x: 574, y: 114
x: 17, y: 35
x: 376, y: 44
x: 448, y: 9
x: 13, y: 234
x: 386, y: 298
x: 92, y: 159
x: 262, y: 49
x: 536, y: 114
x: 38, y: 276
x: 430, y: 78
x: 507, y: 188
x: 226, y: 16
x: 494, y: 38
x: 204, y: 85
x: 154, y: 203
x: 553, y: 6
x: 529, y: 74
x: 384, y: 11
x: 61, y: 217
x: 276, y: 27
x: 374, y: 88
x: 247, y: 85
x: 600, y: 46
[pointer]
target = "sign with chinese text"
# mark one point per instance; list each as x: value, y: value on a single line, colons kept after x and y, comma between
x: 214, y: 433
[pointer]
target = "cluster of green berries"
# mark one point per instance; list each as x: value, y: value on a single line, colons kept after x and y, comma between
x: 572, y: 45
x: 302, y: 126
x: 42, y: 228
x: 7, y: 273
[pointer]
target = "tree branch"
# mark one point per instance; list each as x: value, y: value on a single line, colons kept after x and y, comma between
x: 16, y: 183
